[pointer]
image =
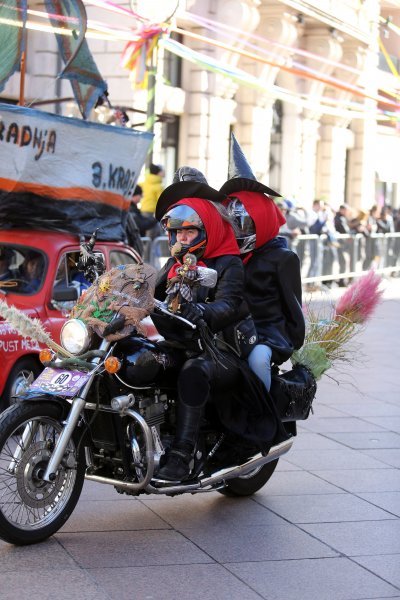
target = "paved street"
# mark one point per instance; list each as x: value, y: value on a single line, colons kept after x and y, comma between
x: 326, y: 526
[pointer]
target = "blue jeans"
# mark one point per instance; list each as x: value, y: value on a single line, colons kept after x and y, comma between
x: 260, y: 363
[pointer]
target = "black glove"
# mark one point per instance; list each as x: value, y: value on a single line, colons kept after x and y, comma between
x: 192, y: 312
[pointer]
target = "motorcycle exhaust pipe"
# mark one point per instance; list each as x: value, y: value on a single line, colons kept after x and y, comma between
x: 254, y: 463
x: 219, y: 477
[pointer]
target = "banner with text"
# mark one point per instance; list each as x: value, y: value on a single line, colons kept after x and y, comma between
x: 67, y: 174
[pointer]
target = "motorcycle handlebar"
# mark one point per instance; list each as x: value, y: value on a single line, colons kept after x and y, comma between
x: 162, y: 308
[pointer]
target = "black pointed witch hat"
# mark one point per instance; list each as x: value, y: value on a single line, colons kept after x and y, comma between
x: 240, y: 176
x: 188, y: 182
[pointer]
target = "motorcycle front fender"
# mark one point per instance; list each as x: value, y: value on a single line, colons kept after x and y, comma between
x: 64, y: 405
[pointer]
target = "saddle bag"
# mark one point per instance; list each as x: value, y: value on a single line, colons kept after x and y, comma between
x: 293, y: 393
x: 242, y: 337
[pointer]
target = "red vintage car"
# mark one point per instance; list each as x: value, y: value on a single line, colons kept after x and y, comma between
x: 38, y: 275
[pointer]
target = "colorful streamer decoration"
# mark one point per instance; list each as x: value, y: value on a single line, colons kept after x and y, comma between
x: 12, y: 39
x: 145, y: 36
x: 324, y: 105
x: 137, y: 54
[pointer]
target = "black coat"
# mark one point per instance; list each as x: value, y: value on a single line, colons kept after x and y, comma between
x: 273, y: 294
x: 143, y: 223
x: 223, y: 305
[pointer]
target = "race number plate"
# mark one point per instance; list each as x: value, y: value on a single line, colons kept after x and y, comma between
x: 59, y: 382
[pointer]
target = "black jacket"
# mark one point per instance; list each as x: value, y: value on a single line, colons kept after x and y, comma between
x: 341, y: 224
x: 273, y: 294
x: 223, y: 305
x: 143, y: 223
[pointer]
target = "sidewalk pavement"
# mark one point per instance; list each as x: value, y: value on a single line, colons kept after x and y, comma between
x: 325, y: 527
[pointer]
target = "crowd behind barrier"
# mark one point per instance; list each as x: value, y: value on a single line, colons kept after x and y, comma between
x: 322, y: 261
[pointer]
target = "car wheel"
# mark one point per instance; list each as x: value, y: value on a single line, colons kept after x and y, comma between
x: 16, y: 380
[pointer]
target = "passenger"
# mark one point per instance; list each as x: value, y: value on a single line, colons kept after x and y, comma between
x: 196, y: 225
x: 32, y: 272
x: 273, y: 288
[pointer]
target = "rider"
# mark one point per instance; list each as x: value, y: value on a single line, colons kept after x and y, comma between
x: 272, y: 272
x: 198, y: 226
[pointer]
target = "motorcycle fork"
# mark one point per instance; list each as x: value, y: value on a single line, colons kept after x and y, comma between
x: 63, y: 441
x: 70, y: 423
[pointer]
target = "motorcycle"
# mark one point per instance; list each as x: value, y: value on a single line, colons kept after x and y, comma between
x: 105, y: 411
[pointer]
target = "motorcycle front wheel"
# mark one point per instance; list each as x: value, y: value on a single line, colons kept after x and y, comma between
x: 32, y: 509
x: 249, y: 484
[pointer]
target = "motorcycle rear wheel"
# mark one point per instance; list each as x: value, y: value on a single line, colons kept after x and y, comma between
x: 31, y: 510
x: 251, y: 483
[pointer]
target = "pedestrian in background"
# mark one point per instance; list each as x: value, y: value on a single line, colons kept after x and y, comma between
x: 296, y: 224
x: 385, y: 224
x: 142, y: 221
x: 344, y: 250
x: 152, y: 189
x: 316, y: 223
x: 371, y: 245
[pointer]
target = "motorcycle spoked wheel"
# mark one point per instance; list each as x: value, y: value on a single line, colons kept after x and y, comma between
x: 31, y: 509
x: 249, y: 484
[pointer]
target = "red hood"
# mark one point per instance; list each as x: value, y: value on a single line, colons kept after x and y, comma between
x: 220, y: 236
x: 266, y: 215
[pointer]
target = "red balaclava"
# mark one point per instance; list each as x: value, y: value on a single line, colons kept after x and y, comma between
x: 266, y: 215
x: 220, y: 236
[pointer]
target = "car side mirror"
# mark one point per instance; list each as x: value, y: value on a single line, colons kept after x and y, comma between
x: 65, y: 293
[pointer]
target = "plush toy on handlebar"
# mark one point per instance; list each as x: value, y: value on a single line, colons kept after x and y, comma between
x: 92, y: 265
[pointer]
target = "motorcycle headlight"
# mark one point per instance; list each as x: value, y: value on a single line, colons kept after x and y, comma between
x: 75, y: 336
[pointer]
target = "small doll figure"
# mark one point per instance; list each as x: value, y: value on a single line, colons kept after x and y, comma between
x: 181, y: 284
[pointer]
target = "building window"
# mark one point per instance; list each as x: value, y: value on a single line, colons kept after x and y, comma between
x: 169, y: 146
x: 173, y: 65
x: 277, y: 114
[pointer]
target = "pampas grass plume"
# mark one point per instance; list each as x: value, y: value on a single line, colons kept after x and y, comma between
x: 361, y: 299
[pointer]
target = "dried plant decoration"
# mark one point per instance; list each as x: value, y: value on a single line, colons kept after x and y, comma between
x: 330, y: 332
x: 29, y: 328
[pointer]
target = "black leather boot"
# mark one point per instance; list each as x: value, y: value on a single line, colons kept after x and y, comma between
x: 177, y: 464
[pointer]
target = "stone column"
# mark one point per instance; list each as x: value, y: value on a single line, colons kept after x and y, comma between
x: 210, y: 104
x: 255, y: 107
x: 336, y: 137
x: 361, y: 168
x: 321, y: 43
x: 291, y: 157
x: 331, y: 165
x: 308, y: 161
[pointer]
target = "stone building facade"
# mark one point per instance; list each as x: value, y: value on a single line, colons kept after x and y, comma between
x: 296, y: 147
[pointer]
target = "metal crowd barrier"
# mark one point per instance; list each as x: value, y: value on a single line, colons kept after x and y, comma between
x: 322, y: 259
x: 346, y: 256
x: 146, y: 255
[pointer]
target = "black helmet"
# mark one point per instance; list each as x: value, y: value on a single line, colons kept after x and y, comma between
x: 184, y: 217
x: 246, y: 238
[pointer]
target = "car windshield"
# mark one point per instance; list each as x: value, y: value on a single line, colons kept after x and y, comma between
x: 22, y: 269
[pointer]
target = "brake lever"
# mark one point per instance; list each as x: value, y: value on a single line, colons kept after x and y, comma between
x: 162, y: 308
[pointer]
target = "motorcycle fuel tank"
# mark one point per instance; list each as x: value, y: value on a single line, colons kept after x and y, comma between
x: 142, y: 361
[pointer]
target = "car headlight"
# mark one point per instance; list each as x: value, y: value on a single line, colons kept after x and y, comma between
x: 75, y: 336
